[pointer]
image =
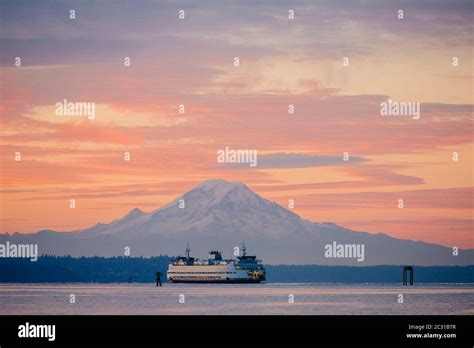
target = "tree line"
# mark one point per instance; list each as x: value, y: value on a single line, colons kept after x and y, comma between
x: 65, y: 269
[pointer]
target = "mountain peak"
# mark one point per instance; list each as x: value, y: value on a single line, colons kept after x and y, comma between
x: 221, y: 214
x: 134, y: 213
x: 219, y: 183
x: 211, y: 192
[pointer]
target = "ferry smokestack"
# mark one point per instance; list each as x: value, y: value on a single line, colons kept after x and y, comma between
x: 188, y: 251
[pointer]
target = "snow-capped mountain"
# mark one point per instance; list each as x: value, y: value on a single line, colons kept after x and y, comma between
x: 218, y: 214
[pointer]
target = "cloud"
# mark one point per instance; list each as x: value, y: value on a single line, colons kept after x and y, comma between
x: 190, y: 62
x: 296, y: 160
x: 451, y: 198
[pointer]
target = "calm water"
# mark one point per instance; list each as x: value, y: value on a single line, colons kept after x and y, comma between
x: 235, y: 299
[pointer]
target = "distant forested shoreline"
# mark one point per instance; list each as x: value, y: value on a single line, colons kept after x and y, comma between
x: 67, y: 269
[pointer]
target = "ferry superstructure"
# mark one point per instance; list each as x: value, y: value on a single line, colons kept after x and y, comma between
x: 243, y: 269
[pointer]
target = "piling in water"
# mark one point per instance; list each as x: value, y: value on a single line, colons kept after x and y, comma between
x: 158, y: 278
x: 405, y: 270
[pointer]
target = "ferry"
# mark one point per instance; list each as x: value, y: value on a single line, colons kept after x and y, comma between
x: 243, y: 269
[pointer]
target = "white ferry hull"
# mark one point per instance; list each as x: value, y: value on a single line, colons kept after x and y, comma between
x: 212, y: 274
x: 208, y: 281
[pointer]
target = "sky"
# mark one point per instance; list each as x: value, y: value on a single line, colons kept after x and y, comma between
x: 282, y: 61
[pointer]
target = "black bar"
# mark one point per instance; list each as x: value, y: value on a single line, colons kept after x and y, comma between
x: 288, y: 331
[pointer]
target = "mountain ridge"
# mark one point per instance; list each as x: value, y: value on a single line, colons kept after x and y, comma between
x: 223, y: 214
